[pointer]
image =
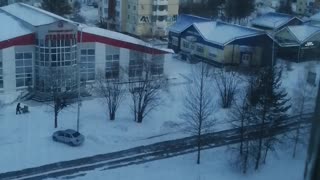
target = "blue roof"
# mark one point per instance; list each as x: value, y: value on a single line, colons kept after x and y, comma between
x: 222, y: 33
x: 272, y: 20
x: 184, y: 21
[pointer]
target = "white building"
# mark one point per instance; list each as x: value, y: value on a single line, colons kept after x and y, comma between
x: 139, y: 17
x: 33, y: 41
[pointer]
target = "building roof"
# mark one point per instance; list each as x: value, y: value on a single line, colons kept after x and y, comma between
x: 119, y: 37
x: 272, y: 20
x: 32, y: 15
x: 21, y: 19
x: 223, y: 33
x: 315, y: 17
x: 12, y: 28
x: 184, y: 21
x: 303, y: 32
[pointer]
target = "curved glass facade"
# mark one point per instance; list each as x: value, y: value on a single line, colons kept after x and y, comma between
x: 56, y: 62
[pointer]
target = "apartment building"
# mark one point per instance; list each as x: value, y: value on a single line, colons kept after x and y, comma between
x: 139, y: 17
x: 305, y: 7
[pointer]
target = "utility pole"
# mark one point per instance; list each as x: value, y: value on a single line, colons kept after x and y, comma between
x: 312, y: 167
x: 78, y: 78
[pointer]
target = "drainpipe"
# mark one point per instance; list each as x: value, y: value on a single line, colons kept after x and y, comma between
x: 299, y: 53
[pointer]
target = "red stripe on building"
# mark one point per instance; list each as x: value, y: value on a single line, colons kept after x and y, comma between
x: 28, y: 39
x: 86, y: 37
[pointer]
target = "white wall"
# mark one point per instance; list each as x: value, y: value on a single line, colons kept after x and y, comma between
x: 124, y: 61
x: 100, y: 57
x: 9, y: 70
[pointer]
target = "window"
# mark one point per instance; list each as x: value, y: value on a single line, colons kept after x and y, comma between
x: 185, y: 44
x: 135, y: 68
x: 162, y: 18
x: 134, y: 7
x: 157, y: 65
x: 212, y: 55
x: 162, y: 7
x: 87, y: 64
x: 112, y: 63
x: 23, y: 69
x: 200, y: 49
x: 175, y: 41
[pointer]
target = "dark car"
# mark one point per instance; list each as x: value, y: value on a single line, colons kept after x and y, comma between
x: 69, y: 136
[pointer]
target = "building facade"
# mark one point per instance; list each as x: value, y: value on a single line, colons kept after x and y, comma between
x: 44, y: 44
x: 140, y: 17
x: 299, y: 43
x: 305, y: 7
x: 183, y: 21
x: 222, y: 44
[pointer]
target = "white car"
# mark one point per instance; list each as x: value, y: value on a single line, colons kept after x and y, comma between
x: 69, y: 136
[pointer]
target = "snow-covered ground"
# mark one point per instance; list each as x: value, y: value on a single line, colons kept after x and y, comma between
x: 25, y: 140
x: 214, y: 165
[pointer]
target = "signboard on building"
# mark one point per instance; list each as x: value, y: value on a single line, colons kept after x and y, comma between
x: 144, y: 19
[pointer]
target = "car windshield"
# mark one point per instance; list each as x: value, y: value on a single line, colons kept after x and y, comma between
x: 76, y: 134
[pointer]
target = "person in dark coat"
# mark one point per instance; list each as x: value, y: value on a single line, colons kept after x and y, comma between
x: 18, y: 109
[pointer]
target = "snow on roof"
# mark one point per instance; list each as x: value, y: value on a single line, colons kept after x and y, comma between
x: 315, y: 17
x: 303, y: 32
x: 222, y: 33
x: 11, y: 27
x: 272, y: 20
x: 118, y: 36
x: 184, y: 21
x: 32, y: 15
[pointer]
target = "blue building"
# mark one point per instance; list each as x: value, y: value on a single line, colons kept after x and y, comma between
x: 220, y: 44
x: 183, y: 22
x: 273, y: 22
x: 299, y: 43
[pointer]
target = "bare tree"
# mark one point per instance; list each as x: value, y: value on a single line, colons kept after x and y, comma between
x: 227, y: 84
x: 58, y: 90
x: 146, y: 92
x: 113, y: 92
x: 302, y: 103
x: 199, y: 106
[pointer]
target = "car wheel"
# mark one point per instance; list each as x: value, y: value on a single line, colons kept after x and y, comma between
x: 71, y: 144
x: 54, y: 138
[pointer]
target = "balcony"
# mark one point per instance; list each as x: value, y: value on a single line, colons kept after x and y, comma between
x: 160, y: 13
x: 161, y: 24
x: 160, y: 2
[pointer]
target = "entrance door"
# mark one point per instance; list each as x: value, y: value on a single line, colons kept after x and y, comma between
x: 246, y: 59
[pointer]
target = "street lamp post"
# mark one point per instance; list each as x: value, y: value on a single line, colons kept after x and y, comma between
x: 78, y: 78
